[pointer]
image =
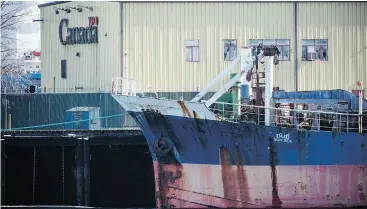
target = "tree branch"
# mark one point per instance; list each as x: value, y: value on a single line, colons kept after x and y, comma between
x: 13, y: 77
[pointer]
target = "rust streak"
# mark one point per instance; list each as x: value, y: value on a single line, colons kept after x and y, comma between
x: 160, y: 198
x: 185, y: 111
x: 227, y: 175
x: 273, y: 160
x: 200, y: 128
x: 362, y: 196
x: 196, y: 116
x: 170, y: 176
x: 166, y: 175
x: 242, y: 177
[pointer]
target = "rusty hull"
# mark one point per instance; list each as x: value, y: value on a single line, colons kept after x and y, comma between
x: 206, y: 163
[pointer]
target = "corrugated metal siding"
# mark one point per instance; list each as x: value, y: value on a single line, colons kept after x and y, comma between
x: 344, y: 24
x: 97, y: 63
x: 155, y: 34
x: 41, y: 109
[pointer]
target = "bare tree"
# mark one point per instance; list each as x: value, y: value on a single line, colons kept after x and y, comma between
x: 13, y: 78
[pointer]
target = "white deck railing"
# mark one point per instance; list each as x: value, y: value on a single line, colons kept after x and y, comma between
x: 124, y: 86
x: 301, y: 119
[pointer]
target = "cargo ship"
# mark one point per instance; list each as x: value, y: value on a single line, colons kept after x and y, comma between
x: 280, y: 149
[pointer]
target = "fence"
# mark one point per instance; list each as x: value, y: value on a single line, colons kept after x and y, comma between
x: 24, y: 110
x: 33, y: 110
x: 301, y: 119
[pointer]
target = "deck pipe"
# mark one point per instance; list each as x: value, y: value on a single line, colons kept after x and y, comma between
x: 269, y: 69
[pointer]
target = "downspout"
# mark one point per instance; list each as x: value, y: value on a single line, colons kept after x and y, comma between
x: 122, y: 40
x: 296, y: 44
x: 123, y: 121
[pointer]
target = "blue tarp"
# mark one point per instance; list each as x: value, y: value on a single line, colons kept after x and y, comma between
x: 36, y: 76
x: 323, y: 96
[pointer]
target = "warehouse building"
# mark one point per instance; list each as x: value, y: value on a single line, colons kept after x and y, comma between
x: 181, y: 46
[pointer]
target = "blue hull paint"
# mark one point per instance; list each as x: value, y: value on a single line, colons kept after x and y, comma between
x: 199, y: 141
x: 209, y: 163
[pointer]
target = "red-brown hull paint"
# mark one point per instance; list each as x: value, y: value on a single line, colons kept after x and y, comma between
x: 226, y: 186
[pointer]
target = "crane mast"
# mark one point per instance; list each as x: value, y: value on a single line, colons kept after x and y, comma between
x: 249, y: 59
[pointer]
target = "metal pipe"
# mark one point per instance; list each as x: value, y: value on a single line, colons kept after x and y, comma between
x: 360, y: 99
x: 9, y: 121
x: 236, y: 98
x: 360, y: 109
x: 269, y: 69
x: 243, y: 67
x: 122, y: 39
x: 6, y: 113
x: 296, y: 44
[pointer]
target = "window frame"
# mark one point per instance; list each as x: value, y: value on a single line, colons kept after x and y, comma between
x: 234, y: 56
x: 191, y: 48
x: 279, y: 46
x: 304, y: 44
x: 63, y: 69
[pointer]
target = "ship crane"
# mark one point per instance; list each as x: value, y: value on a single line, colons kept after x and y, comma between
x: 249, y: 59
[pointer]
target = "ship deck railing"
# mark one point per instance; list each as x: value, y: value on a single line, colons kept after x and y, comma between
x: 124, y: 86
x: 313, y: 120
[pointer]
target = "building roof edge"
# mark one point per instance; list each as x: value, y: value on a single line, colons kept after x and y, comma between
x: 52, y: 3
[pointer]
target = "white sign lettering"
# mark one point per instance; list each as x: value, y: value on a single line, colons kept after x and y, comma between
x: 285, y: 138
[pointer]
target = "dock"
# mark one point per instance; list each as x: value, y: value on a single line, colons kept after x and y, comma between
x: 85, y: 168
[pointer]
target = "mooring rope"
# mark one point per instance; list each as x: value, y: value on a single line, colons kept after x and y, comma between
x: 62, y: 123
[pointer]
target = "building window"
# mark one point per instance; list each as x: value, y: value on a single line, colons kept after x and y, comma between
x: 315, y: 49
x: 230, y: 49
x: 63, y: 68
x: 37, y: 66
x: 282, y: 44
x: 192, y: 51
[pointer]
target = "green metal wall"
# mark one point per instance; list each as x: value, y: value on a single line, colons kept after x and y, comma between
x: 40, y: 109
x: 48, y: 108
